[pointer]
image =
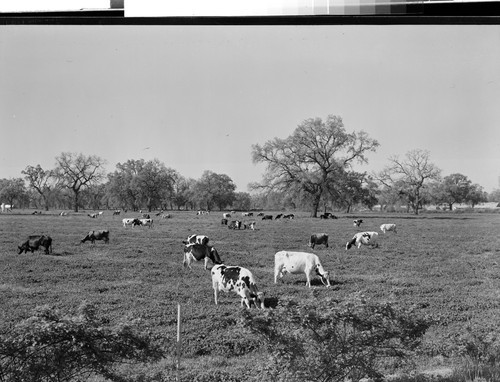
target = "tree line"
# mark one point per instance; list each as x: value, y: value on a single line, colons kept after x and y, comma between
x: 311, y: 169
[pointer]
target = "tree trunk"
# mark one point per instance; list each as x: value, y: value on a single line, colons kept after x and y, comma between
x: 317, y: 199
x: 76, y: 200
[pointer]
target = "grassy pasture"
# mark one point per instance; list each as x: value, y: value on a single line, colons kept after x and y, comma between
x: 446, y: 265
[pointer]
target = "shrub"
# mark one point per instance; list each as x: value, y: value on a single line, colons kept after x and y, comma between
x: 50, y: 347
x: 330, y: 341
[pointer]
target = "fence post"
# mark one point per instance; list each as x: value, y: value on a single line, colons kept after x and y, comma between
x: 178, y: 362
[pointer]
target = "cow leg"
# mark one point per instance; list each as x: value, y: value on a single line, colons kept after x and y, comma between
x: 216, y: 292
x: 308, y: 277
x: 277, y: 272
x: 187, y: 261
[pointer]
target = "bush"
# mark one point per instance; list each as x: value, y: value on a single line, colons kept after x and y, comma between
x: 332, y: 341
x: 50, y: 347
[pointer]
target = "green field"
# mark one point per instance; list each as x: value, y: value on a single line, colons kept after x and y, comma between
x: 443, y: 265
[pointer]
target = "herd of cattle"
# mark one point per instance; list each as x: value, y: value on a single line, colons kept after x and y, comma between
x: 241, y: 280
x: 235, y: 278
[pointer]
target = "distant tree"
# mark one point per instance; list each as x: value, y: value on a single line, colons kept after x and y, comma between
x: 409, y: 176
x: 215, y: 189
x: 242, y: 201
x: 77, y: 172
x: 121, y: 188
x: 494, y: 196
x: 155, y: 182
x: 476, y: 195
x: 13, y: 191
x: 137, y: 183
x: 181, y: 191
x: 313, y: 159
x: 40, y: 180
x: 453, y: 189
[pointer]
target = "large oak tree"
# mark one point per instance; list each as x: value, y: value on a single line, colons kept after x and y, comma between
x: 78, y: 171
x: 314, y: 160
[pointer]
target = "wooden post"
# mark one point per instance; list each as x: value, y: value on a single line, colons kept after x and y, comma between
x: 178, y: 363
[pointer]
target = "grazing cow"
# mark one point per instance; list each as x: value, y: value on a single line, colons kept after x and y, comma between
x: 238, y: 279
x: 235, y: 224
x: 63, y: 213
x: 223, y: 222
x: 166, y: 216
x: 363, y: 238
x: 279, y: 216
x: 267, y: 217
x: 388, y: 227
x: 198, y: 252
x: 93, y: 216
x: 147, y: 222
x: 327, y: 215
x: 289, y: 216
x: 199, y: 239
x: 116, y: 212
x: 299, y: 262
x: 145, y: 216
x: 357, y: 222
x: 100, y: 213
x: 131, y: 221
x: 97, y: 235
x: 34, y: 242
x: 7, y: 207
x: 226, y: 215
x: 251, y: 225
x: 260, y: 214
x: 318, y: 238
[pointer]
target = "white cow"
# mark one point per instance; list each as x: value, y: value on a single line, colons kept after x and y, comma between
x: 239, y: 280
x: 363, y: 238
x: 388, y: 227
x: 299, y: 262
x: 7, y: 207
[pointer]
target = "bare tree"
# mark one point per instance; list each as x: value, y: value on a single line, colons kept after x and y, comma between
x: 408, y: 177
x: 40, y: 180
x: 77, y: 172
x: 313, y: 160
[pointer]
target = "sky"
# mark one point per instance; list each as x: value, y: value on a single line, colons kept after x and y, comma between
x: 198, y: 97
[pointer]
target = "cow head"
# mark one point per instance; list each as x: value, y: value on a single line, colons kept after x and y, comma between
x: 324, y: 275
x: 350, y: 243
x: 214, y: 256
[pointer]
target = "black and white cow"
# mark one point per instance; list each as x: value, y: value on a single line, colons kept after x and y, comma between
x: 226, y: 215
x: 299, y: 262
x: 267, y: 217
x: 260, y: 214
x: 239, y: 280
x: 198, y: 252
x: 34, y: 242
x: 235, y: 224
x: 289, y: 216
x: 199, y: 239
x: 318, y: 238
x: 93, y: 216
x: 97, y: 235
x: 357, y: 222
x: 363, y: 238
x: 147, y: 222
x: 131, y: 222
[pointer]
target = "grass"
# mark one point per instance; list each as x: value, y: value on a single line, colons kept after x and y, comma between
x: 444, y: 265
